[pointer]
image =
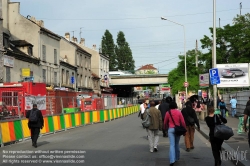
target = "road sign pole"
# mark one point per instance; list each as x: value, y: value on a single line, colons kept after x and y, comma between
x: 214, y: 52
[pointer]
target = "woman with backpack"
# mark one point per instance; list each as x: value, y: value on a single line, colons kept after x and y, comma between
x: 191, y: 119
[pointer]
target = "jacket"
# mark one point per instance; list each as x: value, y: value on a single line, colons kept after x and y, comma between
x: 164, y: 107
x: 156, y: 119
x: 189, y: 111
x: 40, y: 121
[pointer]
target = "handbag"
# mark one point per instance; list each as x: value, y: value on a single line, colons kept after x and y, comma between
x: 222, y: 131
x: 179, y: 130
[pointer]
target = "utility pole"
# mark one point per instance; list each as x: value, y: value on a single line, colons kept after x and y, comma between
x: 214, y: 51
x: 196, y: 53
x: 80, y: 32
x: 240, y: 7
x: 1, y: 45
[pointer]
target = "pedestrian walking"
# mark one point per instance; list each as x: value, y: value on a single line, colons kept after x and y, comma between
x: 35, y: 123
x: 233, y: 103
x: 216, y: 143
x: 174, y: 151
x: 155, y: 126
x: 191, y: 119
x: 246, y: 116
x: 248, y: 102
x: 222, y: 107
x: 157, y: 106
x: 164, y: 107
x: 142, y: 110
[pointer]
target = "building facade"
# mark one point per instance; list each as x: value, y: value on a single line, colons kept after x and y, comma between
x: 147, y: 69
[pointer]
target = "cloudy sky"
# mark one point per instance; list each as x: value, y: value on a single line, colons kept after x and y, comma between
x: 152, y: 40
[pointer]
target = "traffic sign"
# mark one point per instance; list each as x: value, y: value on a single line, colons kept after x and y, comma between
x: 214, y: 76
x: 185, y: 84
x: 72, y: 80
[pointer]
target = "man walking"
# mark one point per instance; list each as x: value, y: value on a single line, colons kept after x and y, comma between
x: 246, y: 116
x: 35, y: 123
x: 164, y: 107
x: 155, y: 126
x: 233, y: 103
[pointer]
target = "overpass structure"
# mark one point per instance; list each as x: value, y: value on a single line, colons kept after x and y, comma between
x: 139, y: 80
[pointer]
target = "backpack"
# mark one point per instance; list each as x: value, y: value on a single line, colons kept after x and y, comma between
x: 33, y: 116
x: 147, y: 120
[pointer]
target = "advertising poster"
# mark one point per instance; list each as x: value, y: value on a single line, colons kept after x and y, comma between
x: 233, y: 75
x: 39, y: 100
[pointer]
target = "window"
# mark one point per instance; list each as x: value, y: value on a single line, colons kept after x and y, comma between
x: 67, y: 77
x: 55, y: 56
x: 86, y: 81
x: 55, y: 78
x: 8, y: 74
x: 81, y: 81
x: 62, y: 76
x: 10, y: 98
x: 44, y: 53
x: 44, y: 75
x: 78, y: 80
x: 6, y: 42
x: 86, y: 62
x: 30, y: 52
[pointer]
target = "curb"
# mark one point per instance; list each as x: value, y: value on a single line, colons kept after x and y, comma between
x: 228, y: 148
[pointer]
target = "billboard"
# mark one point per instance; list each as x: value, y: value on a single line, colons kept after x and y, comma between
x: 233, y: 75
x: 204, y: 80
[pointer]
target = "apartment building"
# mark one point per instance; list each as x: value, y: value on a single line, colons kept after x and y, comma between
x: 46, y: 44
x: 72, y: 53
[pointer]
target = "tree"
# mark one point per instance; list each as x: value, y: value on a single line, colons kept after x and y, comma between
x: 124, y: 54
x: 176, y: 77
x: 108, y: 48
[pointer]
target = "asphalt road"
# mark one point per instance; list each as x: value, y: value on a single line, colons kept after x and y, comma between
x: 121, y: 142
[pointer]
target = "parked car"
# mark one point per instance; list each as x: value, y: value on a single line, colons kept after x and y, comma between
x: 232, y: 72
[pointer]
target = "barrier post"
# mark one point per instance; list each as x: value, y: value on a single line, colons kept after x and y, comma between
x: 19, y: 115
x: 65, y: 128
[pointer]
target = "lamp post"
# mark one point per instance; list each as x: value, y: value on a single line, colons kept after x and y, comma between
x: 163, y: 18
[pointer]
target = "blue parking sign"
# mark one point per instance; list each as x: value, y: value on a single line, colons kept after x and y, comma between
x: 214, y: 76
x: 72, y: 80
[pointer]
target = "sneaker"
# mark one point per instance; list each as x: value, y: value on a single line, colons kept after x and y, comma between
x: 188, y: 150
x: 151, y: 151
x: 155, y: 149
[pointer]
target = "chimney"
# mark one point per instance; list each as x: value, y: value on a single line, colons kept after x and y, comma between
x: 67, y: 36
x: 82, y: 42
x: 94, y: 47
x: 75, y: 40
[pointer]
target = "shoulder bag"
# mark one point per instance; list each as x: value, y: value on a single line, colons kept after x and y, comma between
x: 179, y: 130
x: 222, y: 131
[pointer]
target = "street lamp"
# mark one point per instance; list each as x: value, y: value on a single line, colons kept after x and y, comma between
x: 163, y: 18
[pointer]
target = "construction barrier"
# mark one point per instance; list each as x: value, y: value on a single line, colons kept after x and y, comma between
x: 17, y: 129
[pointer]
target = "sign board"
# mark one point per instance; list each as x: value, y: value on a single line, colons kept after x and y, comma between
x: 214, y: 76
x: 8, y: 61
x: 204, y: 80
x: 72, y: 80
x: 39, y: 100
x: 234, y: 75
x: 165, y: 87
x: 185, y: 84
x: 25, y: 72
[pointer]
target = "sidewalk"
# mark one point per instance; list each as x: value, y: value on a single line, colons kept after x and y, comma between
x: 237, y: 142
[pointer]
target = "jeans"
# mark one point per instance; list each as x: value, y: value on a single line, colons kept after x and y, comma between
x: 233, y: 112
x: 174, y: 152
x: 223, y: 113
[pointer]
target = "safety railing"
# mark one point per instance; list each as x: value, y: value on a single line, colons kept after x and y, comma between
x: 15, y: 130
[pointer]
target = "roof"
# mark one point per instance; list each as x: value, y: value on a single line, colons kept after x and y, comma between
x: 21, y: 43
x: 147, y: 67
x: 17, y: 54
x: 95, y: 75
x: 80, y: 48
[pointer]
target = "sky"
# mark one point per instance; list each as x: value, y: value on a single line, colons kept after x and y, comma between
x: 152, y: 40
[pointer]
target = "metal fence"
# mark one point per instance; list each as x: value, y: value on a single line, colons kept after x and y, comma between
x: 242, y: 97
x: 12, y: 107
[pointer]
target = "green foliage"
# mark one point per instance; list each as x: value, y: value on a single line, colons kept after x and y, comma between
x: 150, y: 72
x: 124, y: 54
x: 108, y: 48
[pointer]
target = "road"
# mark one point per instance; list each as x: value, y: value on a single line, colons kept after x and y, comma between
x: 121, y: 142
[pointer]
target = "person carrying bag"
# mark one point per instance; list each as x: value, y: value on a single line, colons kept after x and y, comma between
x: 175, y: 125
